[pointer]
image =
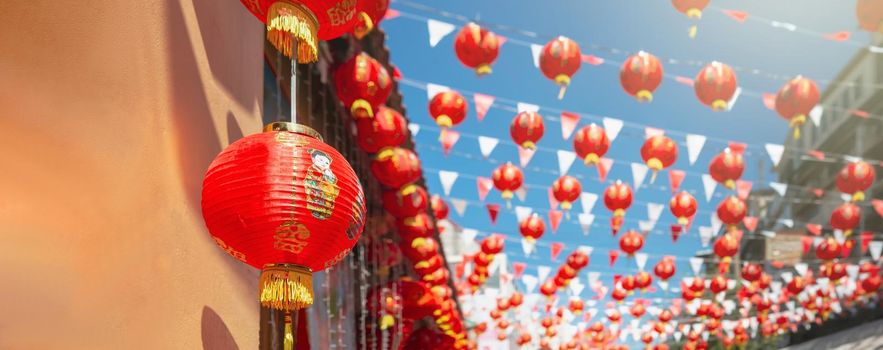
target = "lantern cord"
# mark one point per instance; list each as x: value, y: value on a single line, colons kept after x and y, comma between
x: 293, y: 93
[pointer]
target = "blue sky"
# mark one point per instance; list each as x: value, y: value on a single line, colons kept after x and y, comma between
x: 612, y: 30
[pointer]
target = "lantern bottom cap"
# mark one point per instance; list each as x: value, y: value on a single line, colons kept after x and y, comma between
x: 291, y: 27
x: 286, y: 287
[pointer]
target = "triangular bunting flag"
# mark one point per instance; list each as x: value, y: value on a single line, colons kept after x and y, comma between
x: 459, y: 206
x: 612, y: 127
x: 493, y: 210
x: 743, y: 188
x: 543, y: 272
x: 588, y: 200
x: 651, y: 132
x: 592, y: 59
x: 806, y: 241
x: 654, y: 211
x: 769, y: 101
x: 708, y: 184
x: 518, y: 269
x: 390, y: 14
x: 524, y: 155
x: 639, y: 172
x: 775, y: 152
x: 585, y: 222
x: 487, y: 145
x: 530, y: 283
x: 838, y: 36
x: 738, y: 16
x: 438, y: 30
x: 603, y: 168
x: 878, y: 206
x: 555, y: 219
x: 614, y: 253
x: 684, y: 80
x: 801, y: 268
x: 535, y: 51
x: 528, y: 245
x: 816, y: 115
x: 646, y: 226
x: 448, y: 139
x: 641, y: 260
x: 555, y: 249
x: 435, y: 89
x: 526, y: 107
x: 522, y: 213
x: 866, y: 238
x: 414, y: 129
x: 676, y: 232
x: 780, y: 188
x: 484, y: 186
x: 696, y: 265
x: 694, y: 146
x: 568, y: 124
x: 447, y: 179
x: 565, y: 160
x: 483, y: 104
x: 815, y: 229
x: 750, y: 223
x: 705, y: 234
x: 876, y: 247
x: 675, y: 178
x: 521, y: 193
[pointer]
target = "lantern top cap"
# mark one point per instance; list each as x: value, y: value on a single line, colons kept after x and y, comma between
x: 293, y: 127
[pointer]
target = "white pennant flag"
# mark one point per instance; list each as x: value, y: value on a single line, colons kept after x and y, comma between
x: 786, y: 276
x: 447, y: 179
x: 876, y: 247
x: 852, y: 271
x: 838, y: 236
x: 438, y: 30
x: 662, y: 284
x: 677, y: 336
x: 527, y: 107
x: 696, y: 265
x: 522, y: 213
x: 654, y: 211
x: 639, y: 172
x: 641, y: 260
x: 709, y: 185
x: 521, y: 193
x: 694, y: 146
x: 646, y: 226
x: 732, y: 101
x: 787, y: 222
x: 612, y: 127
x: 585, y: 222
x: 565, y: 160
x: 588, y: 200
x: 593, y: 278
x: 535, y: 51
x: 779, y: 187
x: 487, y: 145
x: 435, y: 89
x: 587, y: 250
x: 575, y: 287
x: 543, y: 272
x: 852, y: 159
x: 414, y: 129
x: 775, y: 152
x: 459, y: 206
x: 768, y: 234
x: 530, y: 282
x: 528, y: 245
x: 716, y: 223
x: 816, y: 115
x: 801, y: 268
x: 705, y: 234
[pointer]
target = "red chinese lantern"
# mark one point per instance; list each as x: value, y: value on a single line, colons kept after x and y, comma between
x: 576, y: 306
x: 477, y: 48
x: 845, y: 218
x: 396, y: 167
x: 297, y: 26
x: 419, y: 249
x: 429, y: 266
x: 492, y: 245
x: 591, y: 143
x: 683, y: 206
x: 691, y: 8
x: 516, y: 299
x: 643, y: 280
x: 566, y: 190
x: 665, y: 316
x: 559, y: 61
x: 613, y: 315
x: 731, y: 211
x: 796, y: 285
x: 619, y: 295
x: 726, y: 168
x: 828, y: 249
x: 855, y: 178
x: 548, y: 288
x: 870, y: 15
x: 287, y: 203
x: 577, y: 260
x: 439, y: 207
x: 637, y: 310
x: 370, y: 14
x: 617, y: 198
x: 751, y: 272
x: 628, y: 284
x: 448, y: 108
x: 527, y: 129
x: 640, y: 75
x: 871, y: 284
x: 697, y: 286
x: 412, y: 227
x: 725, y: 247
x: 631, y: 242
x: 795, y: 100
x: 507, y: 179
x: 715, y: 85
x: 532, y: 227
x: 362, y: 84
x: 387, y: 129
x: 664, y: 269
x: 405, y: 202
x: 718, y: 284
x: 659, y: 152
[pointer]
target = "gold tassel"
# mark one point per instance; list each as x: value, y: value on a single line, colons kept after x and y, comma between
x: 288, y: 341
x: 286, y: 287
x: 287, y: 23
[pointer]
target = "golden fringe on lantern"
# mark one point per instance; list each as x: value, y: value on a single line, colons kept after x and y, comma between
x: 288, y: 22
x: 286, y: 287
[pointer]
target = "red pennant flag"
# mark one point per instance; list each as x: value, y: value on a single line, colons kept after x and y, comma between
x: 492, y: 211
x: 459, y: 269
x: 484, y: 186
x: 817, y: 154
x: 675, y: 178
x: 396, y: 73
x: 676, y: 232
x: 847, y: 248
x: 737, y: 147
x: 769, y: 101
x: 518, y: 269
x: 818, y: 192
x: 778, y: 264
x: 743, y: 189
x: 482, y: 104
x: 838, y: 36
x: 676, y: 306
x: 603, y: 167
x: 859, y: 113
x: 615, y: 224
x: 750, y: 223
x: 593, y: 60
x: 738, y: 16
x: 555, y: 219
x: 448, y: 139
x: 568, y: 123
x: 501, y: 39
x: 815, y: 229
x: 556, y: 249
x: 553, y: 203
x: 524, y: 155
x: 390, y: 14
x: 807, y: 243
x: 866, y: 237
x: 684, y: 80
x: 616, y: 279
x: 613, y: 254
x: 878, y: 206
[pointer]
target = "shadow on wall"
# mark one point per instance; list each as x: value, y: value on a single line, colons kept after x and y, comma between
x: 215, y: 334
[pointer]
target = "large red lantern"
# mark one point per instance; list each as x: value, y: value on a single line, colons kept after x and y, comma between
x: 477, y: 48
x: 387, y: 129
x: 715, y: 85
x: 751, y: 272
x: 532, y: 227
x: 617, y: 198
x: 870, y: 15
x: 828, y: 249
x: 559, y: 61
x: 527, y: 129
x: 448, y: 108
x: 726, y: 168
x: 507, y: 179
x: 640, y: 75
x: 566, y: 190
x: 683, y: 206
x: 731, y: 211
x: 795, y: 100
x: 664, y: 269
x: 405, y: 202
x: 396, y: 167
x: 362, y: 85
x: 659, y: 152
x: 631, y: 242
x: 855, y: 178
x: 295, y: 27
x: 691, y: 8
x: 370, y: 13
x: 287, y: 203
x: 845, y: 218
x: 591, y: 143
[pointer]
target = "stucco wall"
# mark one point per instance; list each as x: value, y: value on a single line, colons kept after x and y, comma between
x: 110, y: 111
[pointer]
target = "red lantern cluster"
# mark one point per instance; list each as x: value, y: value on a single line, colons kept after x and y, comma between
x: 591, y: 143
x: 617, y: 198
x: 828, y: 249
x: 715, y: 85
x: 477, y: 48
x: 795, y: 100
x: 640, y: 75
x: 527, y: 129
x: 362, y: 85
x: 490, y: 247
x: 559, y: 61
x: 855, y: 178
x: 726, y: 168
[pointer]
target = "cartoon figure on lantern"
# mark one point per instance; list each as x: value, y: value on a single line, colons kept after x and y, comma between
x: 321, y: 185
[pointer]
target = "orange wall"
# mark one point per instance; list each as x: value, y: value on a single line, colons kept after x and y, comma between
x: 109, y: 115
